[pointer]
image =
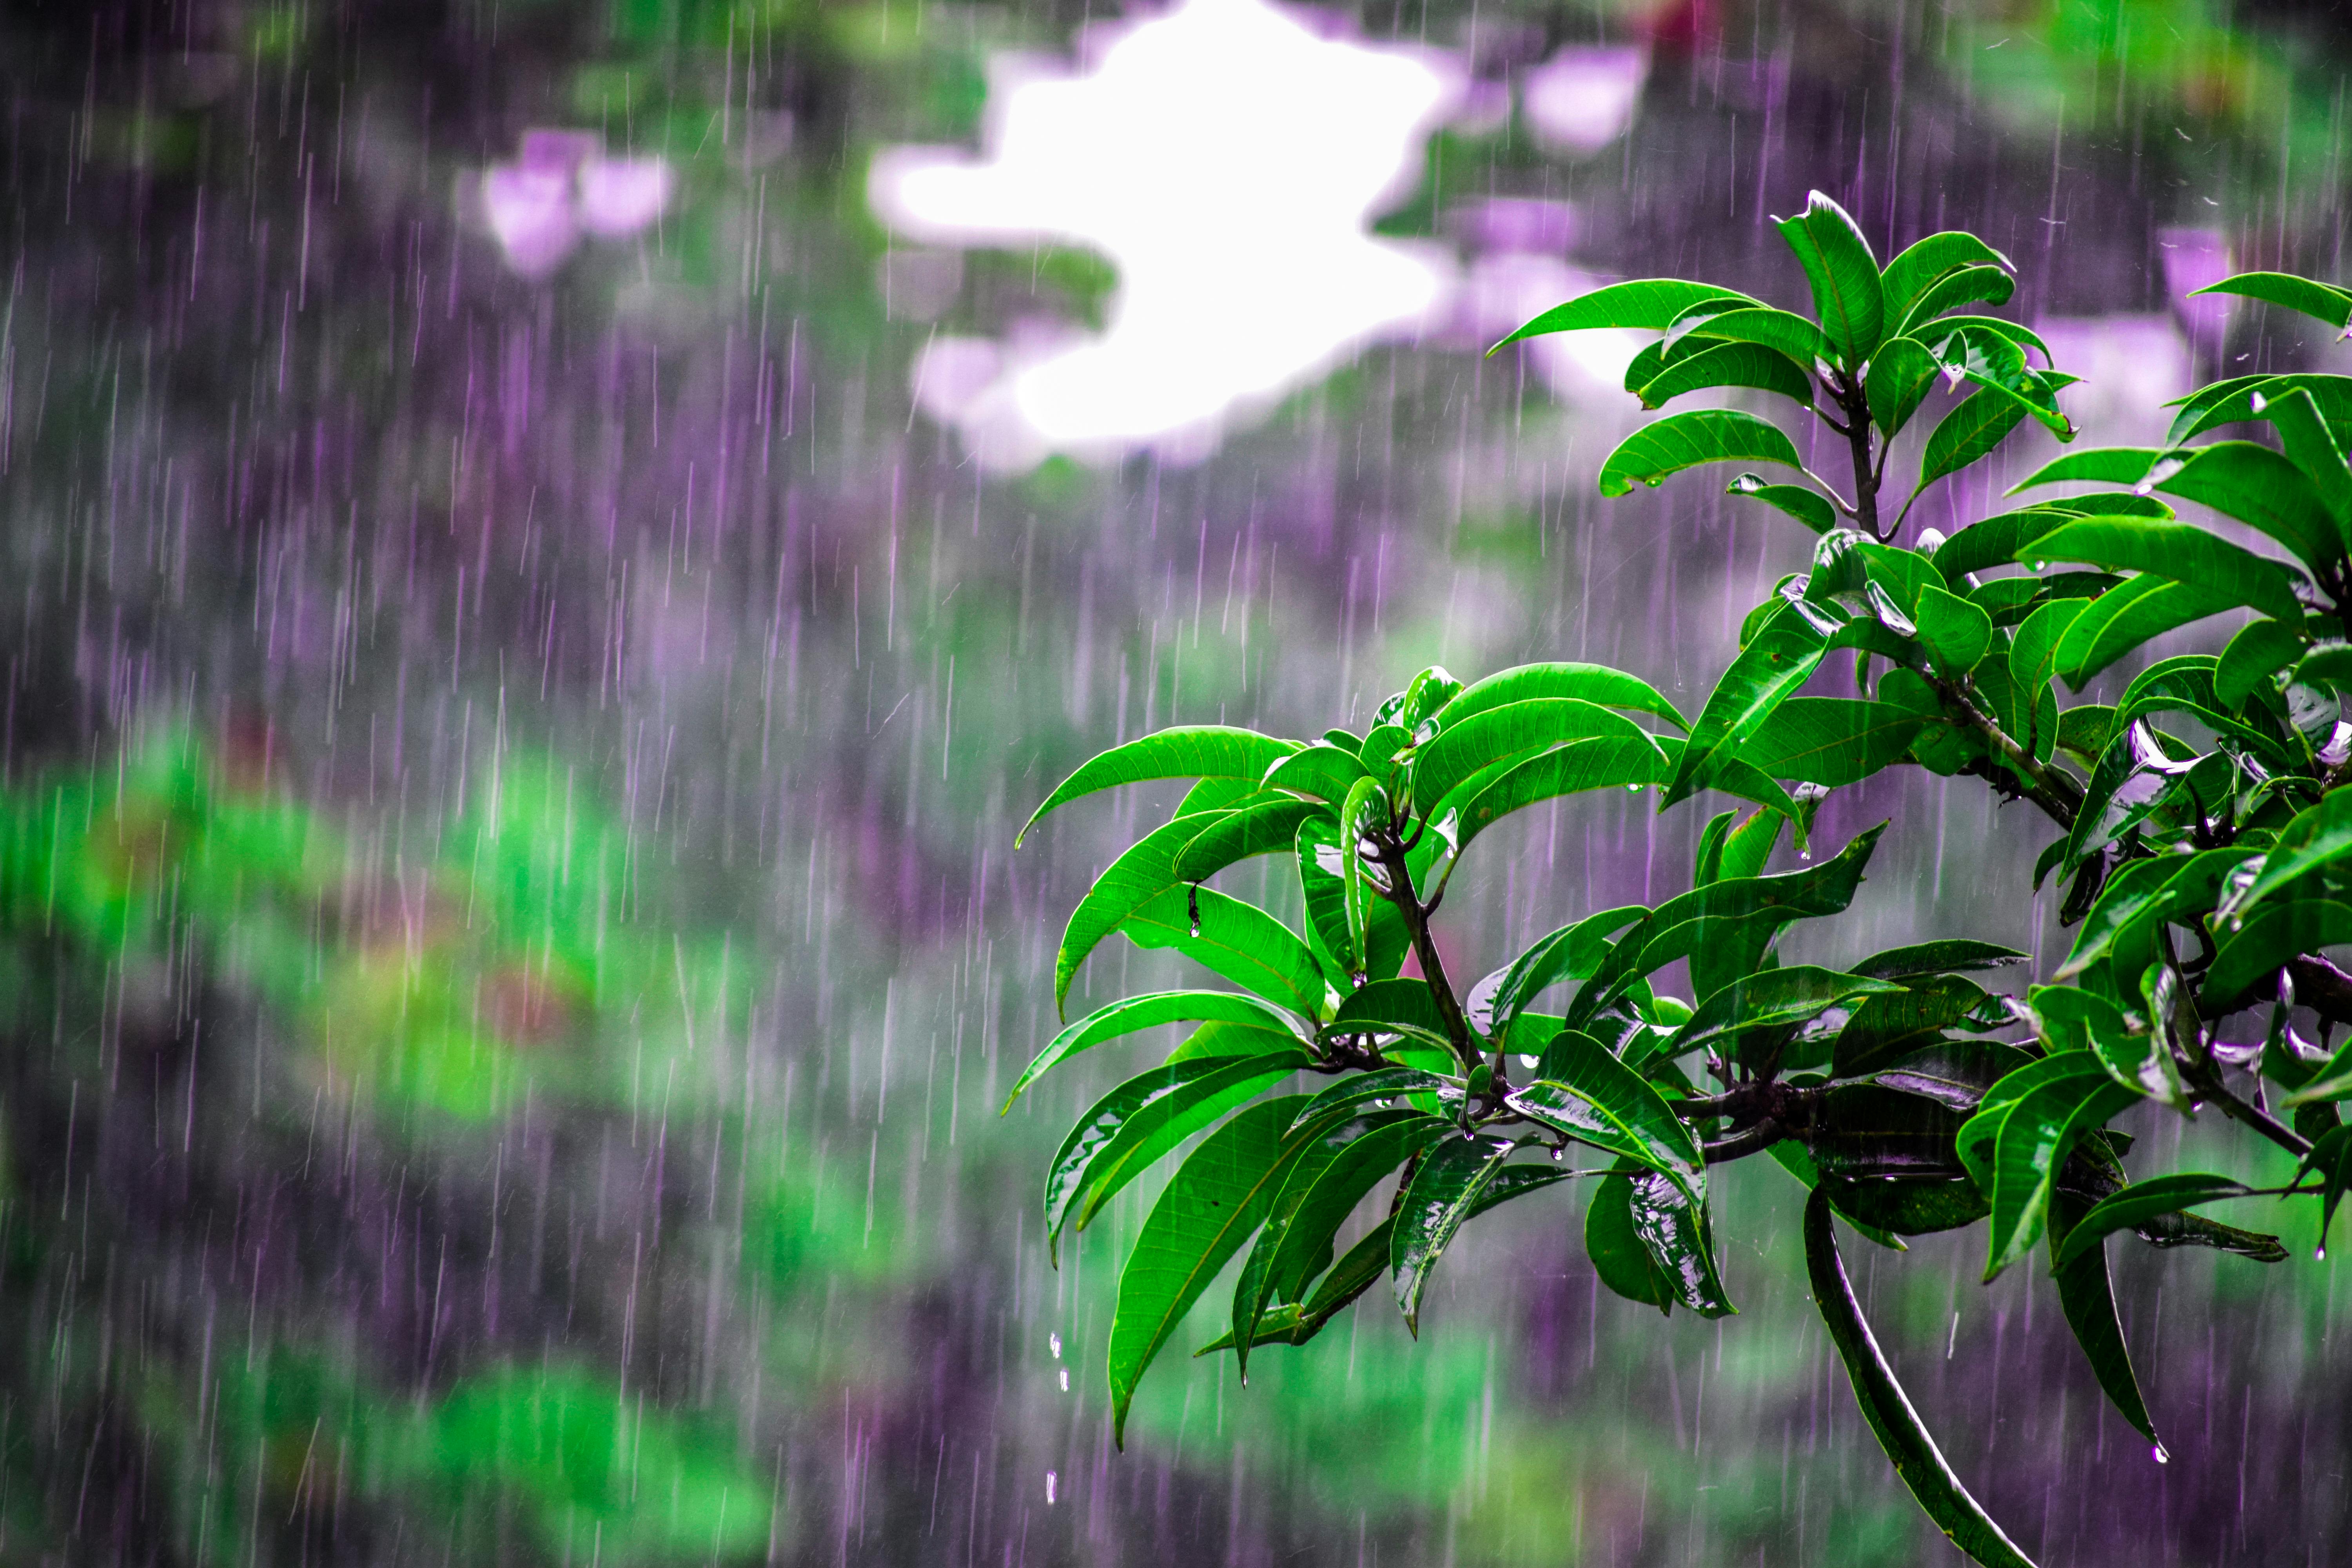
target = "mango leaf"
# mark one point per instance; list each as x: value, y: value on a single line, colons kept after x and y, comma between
x: 2140, y: 897
x: 1323, y: 771
x: 1514, y: 730
x: 2100, y: 465
x: 1994, y: 541
x: 1790, y: 1156
x: 1143, y: 872
x: 1808, y: 507
x: 2146, y: 1064
x: 1955, y: 632
x: 1217, y: 1198
x: 2031, y: 1140
x: 2123, y: 618
x: 1582, y: 682
x: 1320, y: 862
x: 2331, y: 1156
x: 2331, y: 305
x: 1729, y: 365
x: 1446, y: 1186
x: 2034, y: 664
x: 1774, y: 996
x: 1830, y: 741
x: 2311, y: 447
x: 2256, y: 946
x: 1381, y: 1083
x: 1255, y: 1288
x: 1490, y: 794
x: 1649, y: 303
x: 2318, y: 836
x: 1966, y: 286
x: 1889, y: 1411
x: 1950, y: 955
x: 2229, y: 402
x: 1991, y: 357
x: 1399, y: 1005
x: 2139, y: 1202
x: 1238, y: 940
x: 1674, y: 1226
x: 1927, y: 261
x: 1322, y: 1192
x: 1137, y: 1012
x: 2259, y: 488
x: 1792, y: 337
x: 1205, y: 751
x: 1981, y: 422
x: 1838, y: 263
x: 1583, y: 1092
x: 1236, y: 836
x: 1127, y: 1130
x: 1571, y: 953
x: 1902, y: 373
x: 1769, y: 670
x: 2179, y: 551
x: 2088, y: 1295
x: 1682, y: 441
x: 1889, y: 1025
x: 1365, y: 811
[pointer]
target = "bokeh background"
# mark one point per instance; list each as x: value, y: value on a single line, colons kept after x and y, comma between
x: 548, y: 547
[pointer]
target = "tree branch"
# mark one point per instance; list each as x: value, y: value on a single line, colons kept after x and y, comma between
x: 1402, y: 893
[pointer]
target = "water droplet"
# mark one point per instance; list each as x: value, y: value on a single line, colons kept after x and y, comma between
x: 1066, y: 1380
x: 1051, y: 1480
x: 2041, y: 566
x: 2162, y: 1457
x: 1557, y: 1150
x: 1054, y: 1343
x: 1634, y: 789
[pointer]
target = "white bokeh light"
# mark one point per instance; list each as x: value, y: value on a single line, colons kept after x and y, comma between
x: 1228, y: 161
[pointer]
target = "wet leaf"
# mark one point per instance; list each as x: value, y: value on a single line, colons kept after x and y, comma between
x: 1136, y: 1013
x: 1681, y: 441
x: 1208, y: 751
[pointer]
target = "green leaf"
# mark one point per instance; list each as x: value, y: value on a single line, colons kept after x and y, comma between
x: 1582, y: 682
x: 1729, y: 364
x: 1125, y: 1132
x: 1981, y: 422
x: 1927, y: 261
x: 1217, y: 1198
x: 1466, y: 746
x: 1320, y: 861
x: 1236, y: 836
x: 1616, y: 1248
x: 1136, y: 1013
x: 2259, y: 488
x: 1901, y: 376
x: 1238, y: 940
x: 1968, y: 286
x: 1950, y: 955
x: 1365, y: 811
x: 2033, y: 663
x: 1776, y: 662
x: 1792, y: 337
x: 2331, y: 1156
x: 1650, y: 303
x: 1490, y: 794
x: 2331, y: 305
x: 1682, y: 441
x: 1402, y: 1006
x: 2229, y: 402
x: 1955, y: 633
x: 1381, y: 1083
x: 1146, y: 871
x: 1322, y: 1192
x: 2088, y: 1295
x: 2033, y: 1139
x: 2123, y: 618
x: 1808, y: 507
x: 2257, y: 946
x: 1775, y: 996
x: 1994, y: 541
x: 1571, y: 953
x: 2179, y: 551
x: 2318, y: 836
x: 2140, y: 898
x: 2139, y: 1202
x: 1587, y: 1094
x: 2310, y: 446
x: 2100, y: 465
x: 1446, y: 1186
x: 1830, y: 740
x: 1888, y: 1026
x: 1991, y: 358
x: 1838, y: 263
x: 1790, y: 1156
x: 2145, y: 1064
x: 1207, y: 750
x: 1888, y: 1410
x: 1323, y: 770
x: 1674, y: 1226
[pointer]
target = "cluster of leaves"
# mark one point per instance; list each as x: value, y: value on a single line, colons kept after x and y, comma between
x: 2204, y: 841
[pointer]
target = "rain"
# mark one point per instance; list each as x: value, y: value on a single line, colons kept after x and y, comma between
x: 551, y: 546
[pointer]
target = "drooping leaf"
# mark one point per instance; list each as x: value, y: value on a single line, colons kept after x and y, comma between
x: 1127, y: 1130
x: 2137, y: 1205
x: 1582, y: 1091
x: 1323, y: 770
x: 1769, y: 670
x: 2255, y: 946
x: 2310, y: 445
x: 1216, y: 1200
x: 1135, y: 1012
x: 1571, y: 953
x: 1650, y: 303
x: 2318, y: 836
x: 1830, y: 740
x: 1885, y: 1406
x: 1145, y: 871
x: 1238, y: 940
x: 1446, y: 1186
x: 2331, y: 1157
x: 1320, y: 861
x: 2032, y: 1138
x: 1949, y: 955
x: 2088, y: 1295
x: 1364, y: 812
x: 1838, y: 263
x: 1991, y: 357
x: 1490, y: 794
x: 1205, y: 751
x: 2231, y: 401
x: 1680, y: 441
x: 1889, y: 1025
x: 1808, y: 507
x: 2259, y: 488
x: 1618, y: 1254
x: 1993, y: 542
x: 1955, y: 632
x: 1396, y: 1006
x: 1673, y: 1223
x: 2100, y: 465
x: 1238, y: 835
x: 1561, y: 682
x: 2331, y: 305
